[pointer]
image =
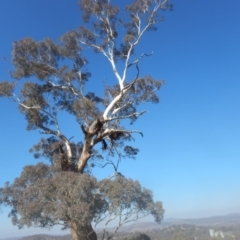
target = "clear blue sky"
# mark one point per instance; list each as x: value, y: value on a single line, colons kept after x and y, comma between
x: 190, y: 154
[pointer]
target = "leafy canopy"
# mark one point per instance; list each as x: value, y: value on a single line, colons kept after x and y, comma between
x: 50, y: 78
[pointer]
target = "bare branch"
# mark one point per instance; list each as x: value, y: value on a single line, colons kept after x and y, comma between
x: 120, y: 108
x: 63, y: 87
x: 136, y: 114
x: 139, y: 58
x: 16, y: 99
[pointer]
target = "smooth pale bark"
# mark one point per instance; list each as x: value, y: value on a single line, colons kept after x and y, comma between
x: 82, y: 232
x: 89, y: 133
x: 85, y: 155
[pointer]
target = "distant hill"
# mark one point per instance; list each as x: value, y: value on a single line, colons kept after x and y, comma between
x: 47, y: 237
x: 227, y: 220
x: 215, y: 221
x: 40, y: 237
x: 15, y: 238
x: 230, y: 219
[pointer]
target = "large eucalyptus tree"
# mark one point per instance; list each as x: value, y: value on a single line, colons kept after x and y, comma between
x: 54, y: 77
